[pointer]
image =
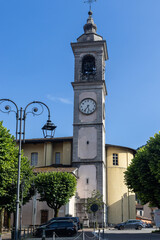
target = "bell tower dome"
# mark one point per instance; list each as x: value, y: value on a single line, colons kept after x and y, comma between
x: 90, y: 64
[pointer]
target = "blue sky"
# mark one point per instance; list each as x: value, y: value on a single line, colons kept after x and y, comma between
x: 37, y: 63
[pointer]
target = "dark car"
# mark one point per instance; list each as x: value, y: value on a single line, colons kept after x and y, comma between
x: 149, y: 225
x: 131, y: 224
x: 77, y: 221
x: 61, y: 228
x: 74, y: 219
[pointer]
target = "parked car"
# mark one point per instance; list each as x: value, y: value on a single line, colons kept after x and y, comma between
x: 61, y: 228
x: 77, y: 221
x: 131, y: 224
x: 74, y: 219
x: 149, y: 225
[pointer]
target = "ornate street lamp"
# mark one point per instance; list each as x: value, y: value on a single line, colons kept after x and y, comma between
x: 48, y: 131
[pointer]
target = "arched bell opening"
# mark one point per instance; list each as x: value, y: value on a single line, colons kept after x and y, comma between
x: 88, y: 65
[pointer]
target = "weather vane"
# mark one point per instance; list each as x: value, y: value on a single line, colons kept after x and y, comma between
x: 89, y: 2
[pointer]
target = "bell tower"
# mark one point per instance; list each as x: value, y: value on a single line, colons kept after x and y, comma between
x: 90, y: 53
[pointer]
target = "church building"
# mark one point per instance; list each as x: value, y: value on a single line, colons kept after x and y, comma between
x: 95, y: 164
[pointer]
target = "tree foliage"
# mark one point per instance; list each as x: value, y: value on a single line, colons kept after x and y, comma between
x: 7, y: 157
x: 56, y: 188
x: 143, y: 174
x: 9, y: 171
x: 96, y: 198
x: 8, y: 201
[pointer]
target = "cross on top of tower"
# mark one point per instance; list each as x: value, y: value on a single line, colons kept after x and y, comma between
x: 89, y: 2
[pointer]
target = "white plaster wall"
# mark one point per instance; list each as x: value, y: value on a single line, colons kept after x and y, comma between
x: 87, y: 151
x: 103, y: 149
x: 84, y: 172
x: 104, y: 184
x: 71, y: 207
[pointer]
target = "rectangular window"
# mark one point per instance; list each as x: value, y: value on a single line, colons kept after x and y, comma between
x: 44, y: 216
x: 141, y: 213
x: 87, y: 180
x: 57, y: 158
x: 34, y: 159
x: 115, y: 159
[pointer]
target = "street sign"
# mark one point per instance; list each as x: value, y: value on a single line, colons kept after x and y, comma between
x: 94, y: 208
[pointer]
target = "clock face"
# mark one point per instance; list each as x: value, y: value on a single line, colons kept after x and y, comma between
x: 87, y: 106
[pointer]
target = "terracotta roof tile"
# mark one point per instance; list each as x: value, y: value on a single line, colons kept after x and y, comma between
x: 54, y: 169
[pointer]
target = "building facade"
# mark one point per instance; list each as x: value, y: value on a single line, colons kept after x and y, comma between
x: 96, y: 165
x: 48, y: 155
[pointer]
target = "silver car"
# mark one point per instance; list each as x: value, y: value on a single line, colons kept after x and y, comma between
x: 131, y: 224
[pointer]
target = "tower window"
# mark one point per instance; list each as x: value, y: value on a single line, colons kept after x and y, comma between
x: 115, y: 159
x: 88, y: 65
x: 57, y: 157
x: 34, y: 159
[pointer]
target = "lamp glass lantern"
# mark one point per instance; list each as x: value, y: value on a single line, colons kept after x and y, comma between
x: 49, y: 129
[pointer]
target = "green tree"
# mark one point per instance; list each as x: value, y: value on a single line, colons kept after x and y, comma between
x: 8, y: 173
x: 96, y: 198
x: 56, y: 188
x: 143, y: 174
x: 8, y: 201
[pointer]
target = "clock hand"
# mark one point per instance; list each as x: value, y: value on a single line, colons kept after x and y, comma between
x: 86, y: 108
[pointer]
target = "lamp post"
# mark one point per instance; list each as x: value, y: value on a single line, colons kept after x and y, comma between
x: 48, y: 131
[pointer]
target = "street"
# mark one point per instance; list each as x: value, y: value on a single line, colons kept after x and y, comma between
x: 144, y: 234
x: 109, y: 234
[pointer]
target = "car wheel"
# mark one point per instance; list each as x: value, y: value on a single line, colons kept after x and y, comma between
x: 139, y: 227
x: 70, y: 233
x: 121, y: 228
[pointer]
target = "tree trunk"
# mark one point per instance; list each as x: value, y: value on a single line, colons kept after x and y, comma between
x: 9, y: 221
x: 14, y: 219
x: 1, y: 220
x: 56, y: 211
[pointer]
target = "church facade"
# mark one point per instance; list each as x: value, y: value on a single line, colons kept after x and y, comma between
x: 96, y: 165
x: 49, y: 155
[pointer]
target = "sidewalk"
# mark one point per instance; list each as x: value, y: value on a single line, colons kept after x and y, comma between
x: 87, y: 230
x: 6, y: 236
